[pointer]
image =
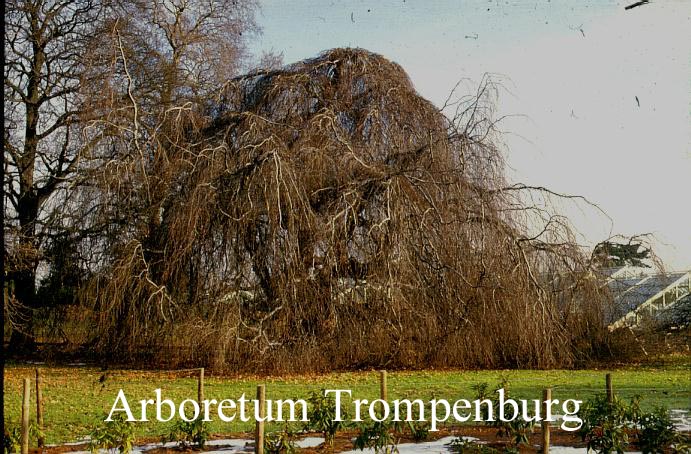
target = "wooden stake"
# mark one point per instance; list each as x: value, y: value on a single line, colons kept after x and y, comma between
x: 200, y: 386
x: 383, y: 391
x: 608, y: 385
x: 26, y: 401
x: 546, y: 395
x: 39, y: 408
x: 259, y: 432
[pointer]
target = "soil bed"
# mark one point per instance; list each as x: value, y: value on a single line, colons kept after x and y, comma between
x: 342, y: 443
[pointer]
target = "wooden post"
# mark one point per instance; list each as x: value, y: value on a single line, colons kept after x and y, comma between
x: 608, y: 385
x: 25, y: 415
x: 259, y: 432
x: 200, y: 386
x: 39, y: 408
x: 546, y: 395
x: 383, y: 391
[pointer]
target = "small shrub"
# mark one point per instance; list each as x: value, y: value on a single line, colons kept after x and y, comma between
x: 656, y: 432
x: 117, y: 433
x: 605, y: 423
x: 518, y: 430
x: 419, y: 430
x: 188, y: 434
x: 607, y: 438
x: 482, y: 392
x: 11, y: 440
x: 35, y: 432
x: 606, y: 427
x: 379, y: 436
x: 322, y: 415
x: 281, y: 442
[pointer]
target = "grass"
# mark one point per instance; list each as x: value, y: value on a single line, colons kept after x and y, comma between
x: 75, y: 398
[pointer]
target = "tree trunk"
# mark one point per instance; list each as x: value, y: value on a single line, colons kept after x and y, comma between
x: 25, y: 278
x: 22, y: 340
x: 28, y: 201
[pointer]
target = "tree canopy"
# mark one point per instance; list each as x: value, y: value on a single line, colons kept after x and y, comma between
x: 324, y: 213
x: 612, y: 254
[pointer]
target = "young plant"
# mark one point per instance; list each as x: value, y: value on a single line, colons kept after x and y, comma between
x: 482, y: 392
x: 605, y: 423
x: 118, y: 433
x: 188, y: 434
x: 518, y: 430
x: 12, y: 440
x: 379, y: 436
x: 656, y: 432
x: 280, y: 442
x: 35, y: 432
x: 419, y: 430
x: 608, y: 438
x: 322, y: 416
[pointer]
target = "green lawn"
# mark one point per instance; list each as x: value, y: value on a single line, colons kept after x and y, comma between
x: 75, y: 399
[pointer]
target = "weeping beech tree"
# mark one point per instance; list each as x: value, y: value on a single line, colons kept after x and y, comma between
x: 324, y: 216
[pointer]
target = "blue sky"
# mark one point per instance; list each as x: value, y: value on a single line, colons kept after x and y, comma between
x: 572, y: 72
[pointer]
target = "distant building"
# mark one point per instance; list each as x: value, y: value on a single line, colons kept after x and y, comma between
x: 642, y: 294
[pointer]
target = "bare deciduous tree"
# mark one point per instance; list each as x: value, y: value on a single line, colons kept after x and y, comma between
x: 81, y: 77
x: 44, y: 44
x: 325, y: 213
